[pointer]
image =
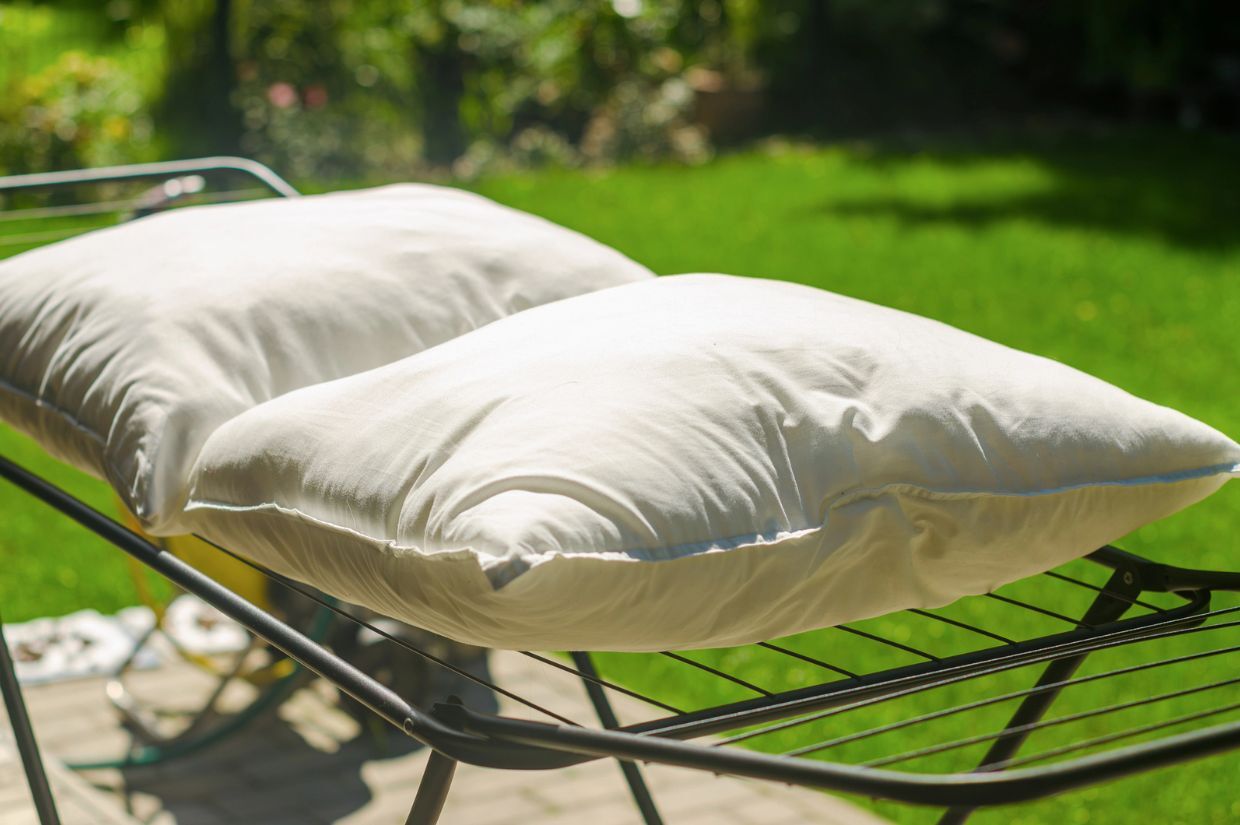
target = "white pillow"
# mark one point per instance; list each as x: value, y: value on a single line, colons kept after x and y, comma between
x: 121, y: 350
x: 692, y: 461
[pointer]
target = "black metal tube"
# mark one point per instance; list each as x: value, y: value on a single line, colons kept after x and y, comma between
x: 378, y: 698
x: 432, y: 790
x: 922, y: 674
x: 141, y: 171
x: 1106, y: 607
x: 23, y: 733
x: 1165, y: 578
x: 459, y: 734
x: 607, y: 716
x: 971, y: 789
x: 363, y: 688
x: 497, y: 742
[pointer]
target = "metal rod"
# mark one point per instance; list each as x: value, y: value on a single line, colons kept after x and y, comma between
x: 1134, y: 601
x: 807, y: 659
x: 432, y: 790
x: 607, y: 716
x: 1115, y: 737
x: 1033, y: 607
x: 922, y: 676
x: 972, y: 789
x: 380, y: 699
x: 138, y: 171
x: 1164, y: 578
x: 525, y: 749
x: 953, y: 710
x: 981, y: 631
x: 592, y: 676
x: 23, y: 733
x: 873, y: 637
x: 461, y: 734
x: 1104, y: 608
x: 332, y: 606
x: 714, y: 671
x: 1043, y: 724
x: 111, y: 207
x: 600, y: 682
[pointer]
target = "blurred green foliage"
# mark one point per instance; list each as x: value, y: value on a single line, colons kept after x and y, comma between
x: 349, y: 89
x: 80, y: 111
x: 353, y: 88
x: 851, y: 66
x: 75, y: 88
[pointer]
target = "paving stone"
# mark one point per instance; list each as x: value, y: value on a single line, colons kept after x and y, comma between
x: 76, y: 801
x: 195, y: 814
x: 312, y: 763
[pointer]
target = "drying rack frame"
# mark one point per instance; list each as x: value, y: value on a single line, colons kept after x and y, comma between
x: 456, y: 733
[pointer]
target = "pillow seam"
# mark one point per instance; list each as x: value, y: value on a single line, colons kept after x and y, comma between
x: 840, y: 500
x: 42, y: 403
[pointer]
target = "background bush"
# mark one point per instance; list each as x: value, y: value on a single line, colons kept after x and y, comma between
x: 367, y: 89
x: 80, y: 111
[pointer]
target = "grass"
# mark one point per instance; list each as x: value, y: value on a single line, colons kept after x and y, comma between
x: 1117, y: 254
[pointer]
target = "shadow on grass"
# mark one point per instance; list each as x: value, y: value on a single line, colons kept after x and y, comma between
x: 1179, y: 189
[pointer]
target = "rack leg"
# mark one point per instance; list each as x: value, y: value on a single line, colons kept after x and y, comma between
x: 1105, y: 608
x: 27, y: 745
x: 607, y: 716
x: 433, y: 790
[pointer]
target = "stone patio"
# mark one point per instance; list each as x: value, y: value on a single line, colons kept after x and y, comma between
x: 312, y: 763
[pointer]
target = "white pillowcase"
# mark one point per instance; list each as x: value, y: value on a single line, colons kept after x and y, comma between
x: 121, y: 350
x: 692, y: 461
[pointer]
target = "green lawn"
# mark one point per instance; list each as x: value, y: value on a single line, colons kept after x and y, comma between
x: 1117, y: 254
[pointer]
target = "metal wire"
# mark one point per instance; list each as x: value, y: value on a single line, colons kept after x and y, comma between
x: 634, y: 694
x: 77, y: 210
x: 69, y: 210
x: 1112, y: 737
x: 1036, y: 609
x: 1001, y: 665
x: 955, y: 744
x: 1097, y: 589
x: 981, y: 631
x: 785, y: 651
x: 600, y: 682
x: 963, y: 625
x: 993, y: 700
x: 913, y: 650
x: 120, y: 206
x: 810, y: 659
x: 716, y: 672
x: 897, y: 645
x: 1001, y: 661
x: 763, y: 692
x: 314, y: 597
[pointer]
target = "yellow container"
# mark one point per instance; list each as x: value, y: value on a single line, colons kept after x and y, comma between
x: 245, y: 581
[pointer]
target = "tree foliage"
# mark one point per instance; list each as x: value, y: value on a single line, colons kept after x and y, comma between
x: 374, y: 87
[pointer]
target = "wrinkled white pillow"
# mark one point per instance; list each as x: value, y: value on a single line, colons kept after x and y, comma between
x: 121, y: 350
x: 692, y: 461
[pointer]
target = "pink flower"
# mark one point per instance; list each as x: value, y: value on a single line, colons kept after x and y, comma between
x: 282, y: 95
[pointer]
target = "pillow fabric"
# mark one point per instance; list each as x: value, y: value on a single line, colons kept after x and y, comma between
x: 121, y: 350
x: 693, y: 461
